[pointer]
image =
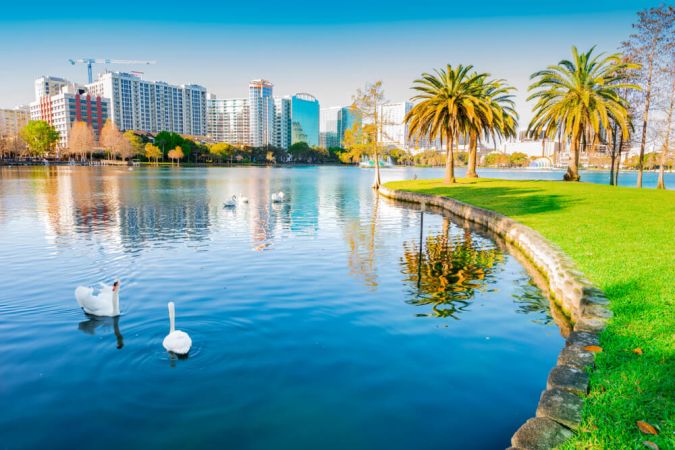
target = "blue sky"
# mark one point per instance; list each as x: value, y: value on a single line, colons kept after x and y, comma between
x: 327, y: 49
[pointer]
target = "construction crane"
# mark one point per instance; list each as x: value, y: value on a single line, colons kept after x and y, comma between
x: 90, y: 61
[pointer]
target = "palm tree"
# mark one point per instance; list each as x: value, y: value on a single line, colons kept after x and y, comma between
x: 580, y: 96
x: 503, y: 121
x: 449, y: 103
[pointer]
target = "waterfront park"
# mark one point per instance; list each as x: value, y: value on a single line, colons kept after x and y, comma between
x: 169, y: 290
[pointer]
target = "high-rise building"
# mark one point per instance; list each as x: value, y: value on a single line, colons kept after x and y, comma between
x: 153, y: 106
x: 282, y: 122
x: 334, y: 122
x: 48, y: 86
x: 262, y: 119
x: 12, y: 120
x: 261, y: 113
x: 72, y: 104
x: 305, y: 119
x: 328, y: 127
x: 228, y: 120
x: 394, y: 131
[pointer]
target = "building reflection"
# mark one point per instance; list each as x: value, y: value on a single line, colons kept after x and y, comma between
x: 116, y: 205
x: 445, y: 270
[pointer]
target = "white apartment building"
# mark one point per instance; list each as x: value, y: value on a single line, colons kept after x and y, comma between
x: 328, y: 127
x: 227, y: 120
x: 153, y: 106
x: 48, y: 86
x: 73, y: 103
x: 395, y: 129
x: 12, y: 120
x: 261, y: 113
x: 282, y: 122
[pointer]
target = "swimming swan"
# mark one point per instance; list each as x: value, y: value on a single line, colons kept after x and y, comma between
x: 176, y: 341
x: 243, y: 199
x: 105, y: 304
x: 231, y: 203
x: 278, y: 197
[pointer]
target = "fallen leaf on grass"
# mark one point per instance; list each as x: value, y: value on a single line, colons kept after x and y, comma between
x: 637, y: 351
x: 651, y: 445
x: 646, y: 428
x: 593, y: 348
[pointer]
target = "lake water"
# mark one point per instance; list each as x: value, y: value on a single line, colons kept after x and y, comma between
x: 316, y: 323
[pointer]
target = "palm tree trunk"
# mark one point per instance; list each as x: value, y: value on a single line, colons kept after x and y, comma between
x: 473, y: 150
x: 450, y: 160
x: 572, y: 173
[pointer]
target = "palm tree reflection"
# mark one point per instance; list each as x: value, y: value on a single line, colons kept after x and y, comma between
x: 447, y: 270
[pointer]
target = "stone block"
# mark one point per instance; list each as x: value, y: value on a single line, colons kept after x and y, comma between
x: 590, y: 324
x: 583, y: 338
x: 576, y: 356
x: 568, y: 378
x: 561, y: 406
x: 540, y: 433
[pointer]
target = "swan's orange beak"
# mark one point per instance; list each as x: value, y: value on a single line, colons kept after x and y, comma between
x: 115, y: 286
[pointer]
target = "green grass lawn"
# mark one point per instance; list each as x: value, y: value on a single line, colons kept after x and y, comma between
x: 623, y: 239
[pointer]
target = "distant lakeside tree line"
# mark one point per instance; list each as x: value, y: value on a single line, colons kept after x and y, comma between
x: 589, y: 100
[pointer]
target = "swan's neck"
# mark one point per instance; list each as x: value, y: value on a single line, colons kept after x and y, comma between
x: 116, y: 302
x: 172, y: 318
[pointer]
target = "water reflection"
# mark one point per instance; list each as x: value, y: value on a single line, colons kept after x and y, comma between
x: 93, y: 323
x: 447, y: 268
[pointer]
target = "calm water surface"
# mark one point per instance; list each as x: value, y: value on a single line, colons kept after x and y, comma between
x: 317, y: 323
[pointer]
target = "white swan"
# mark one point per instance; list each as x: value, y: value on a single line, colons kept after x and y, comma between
x: 243, y: 199
x: 176, y: 341
x: 231, y: 203
x: 278, y: 197
x: 105, y: 303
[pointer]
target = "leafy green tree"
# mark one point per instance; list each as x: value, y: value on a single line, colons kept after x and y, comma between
x: 449, y: 103
x: 152, y: 152
x: 167, y: 140
x: 136, y: 143
x: 39, y: 136
x: 222, y: 150
x: 580, y: 96
x: 497, y: 160
x: 518, y: 159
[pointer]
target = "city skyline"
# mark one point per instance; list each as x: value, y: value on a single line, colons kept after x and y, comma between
x: 330, y: 60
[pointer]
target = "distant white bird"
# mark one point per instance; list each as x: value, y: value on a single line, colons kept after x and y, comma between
x: 106, y: 303
x: 231, y: 203
x: 278, y: 197
x: 243, y: 199
x: 176, y: 341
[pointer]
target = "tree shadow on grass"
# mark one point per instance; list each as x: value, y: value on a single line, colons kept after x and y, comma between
x: 506, y: 200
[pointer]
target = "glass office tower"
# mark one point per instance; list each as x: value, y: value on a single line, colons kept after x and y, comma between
x: 305, y: 119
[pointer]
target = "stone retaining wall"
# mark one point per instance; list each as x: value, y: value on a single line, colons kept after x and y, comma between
x: 559, y: 411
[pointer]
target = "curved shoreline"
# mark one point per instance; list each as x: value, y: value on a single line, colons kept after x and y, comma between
x: 559, y: 410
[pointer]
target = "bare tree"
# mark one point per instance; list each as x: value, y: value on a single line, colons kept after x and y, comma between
x: 111, y: 138
x: 651, y: 46
x: 668, y: 129
x: 367, y: 103
x: 81, y: 140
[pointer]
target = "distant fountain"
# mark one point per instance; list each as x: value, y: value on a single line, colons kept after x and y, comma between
x: 542, y: 163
